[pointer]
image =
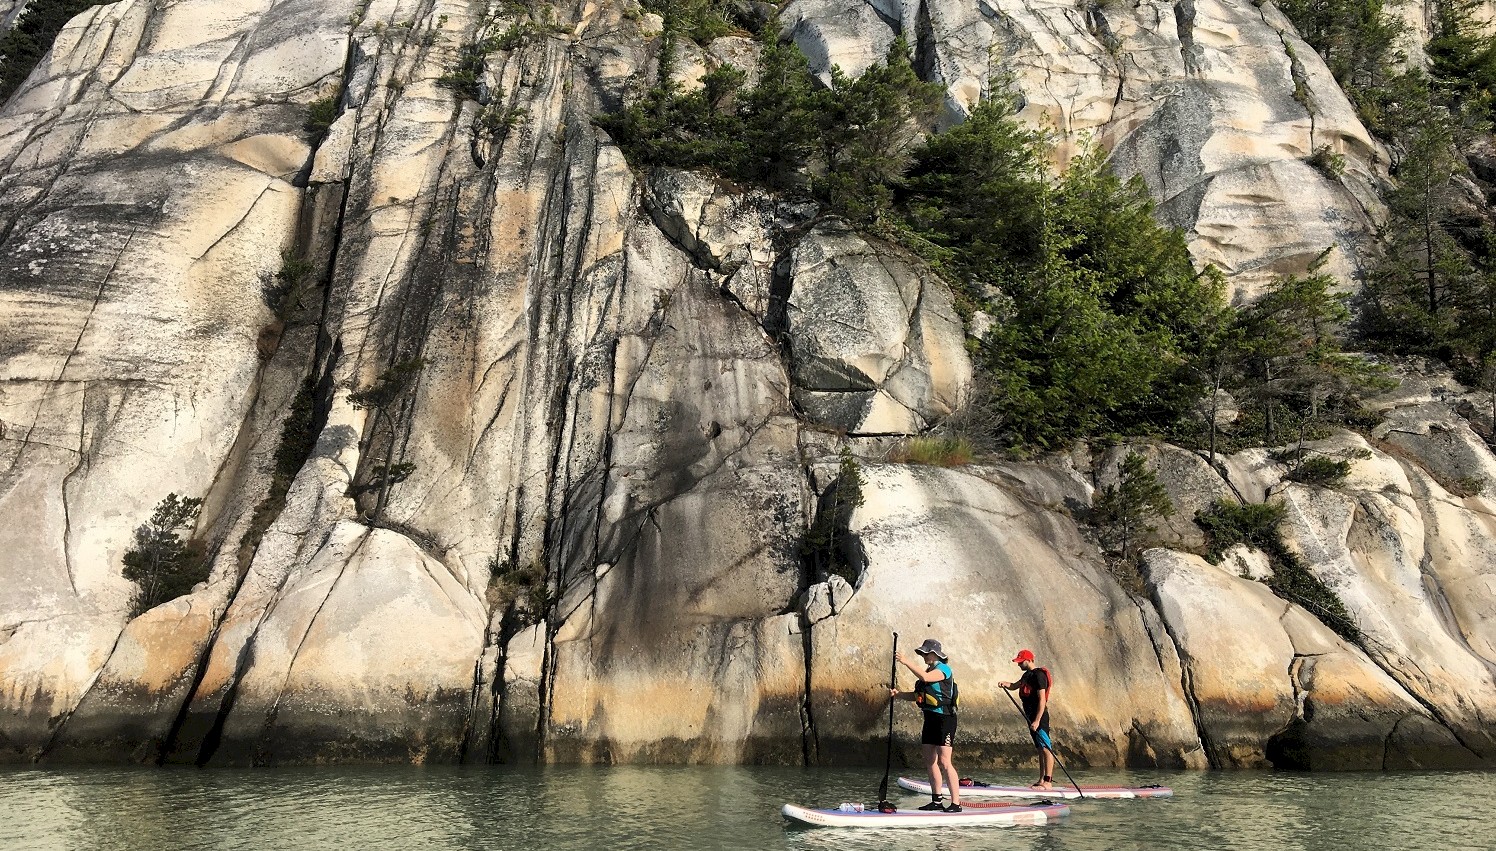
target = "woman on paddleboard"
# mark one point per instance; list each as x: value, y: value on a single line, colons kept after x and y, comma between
x: 935, y: 692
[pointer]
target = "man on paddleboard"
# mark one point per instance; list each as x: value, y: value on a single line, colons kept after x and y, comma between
x: 1033, y: 690
x: 935, y: 692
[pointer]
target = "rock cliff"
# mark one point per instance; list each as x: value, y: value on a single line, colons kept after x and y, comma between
x: 630, y: 393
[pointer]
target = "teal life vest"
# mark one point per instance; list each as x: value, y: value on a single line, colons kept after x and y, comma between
x: 941, y: 697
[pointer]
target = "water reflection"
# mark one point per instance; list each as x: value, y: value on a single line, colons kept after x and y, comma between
x: 620, y: 809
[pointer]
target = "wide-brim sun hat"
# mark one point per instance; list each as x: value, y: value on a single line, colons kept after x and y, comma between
x: 931, y: 646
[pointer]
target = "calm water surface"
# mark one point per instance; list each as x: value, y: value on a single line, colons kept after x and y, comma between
x: 619, y: 809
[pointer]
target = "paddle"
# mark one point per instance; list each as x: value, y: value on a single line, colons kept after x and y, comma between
x: 893, y: 673
x: 1042, y: 739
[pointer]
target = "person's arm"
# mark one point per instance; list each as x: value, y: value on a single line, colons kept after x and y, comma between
x: 901, y: 695
x: 933, y: 676
x: 1007, y: 686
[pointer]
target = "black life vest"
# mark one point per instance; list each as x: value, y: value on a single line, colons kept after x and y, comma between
x: 946, y: 699
x: 1024, y: 689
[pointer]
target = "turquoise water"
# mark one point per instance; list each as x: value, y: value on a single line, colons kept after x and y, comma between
x: 617, y: 809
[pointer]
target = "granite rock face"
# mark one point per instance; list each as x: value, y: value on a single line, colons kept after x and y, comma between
x: 578, y: 531
x: 1215, y: 104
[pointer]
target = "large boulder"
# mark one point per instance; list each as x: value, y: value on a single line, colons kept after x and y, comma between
x: 1271, y: 685
x: 1373, y: 549
x: 875, y: 343
x: 959, y: 555
x: 366, y: 655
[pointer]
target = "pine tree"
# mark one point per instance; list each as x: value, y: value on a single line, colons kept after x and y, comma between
x: 1293, y: 363
x: 161, y: 563
x: 1124, y: 509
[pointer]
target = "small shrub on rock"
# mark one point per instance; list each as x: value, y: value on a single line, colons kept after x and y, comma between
x: 1123, y: 510
x: 828, y: 547
x: 320, y: 115
x: 934, y: 451
x: 161, y: 563
x: 1328, y: 163
x: 521, y: 586
x: 1319, y: 470
x: 1227, y: 524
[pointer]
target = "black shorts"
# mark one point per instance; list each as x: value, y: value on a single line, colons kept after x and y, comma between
x: 940, y: 730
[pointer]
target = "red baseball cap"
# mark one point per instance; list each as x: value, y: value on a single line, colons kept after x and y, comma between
x: 1024, y: 656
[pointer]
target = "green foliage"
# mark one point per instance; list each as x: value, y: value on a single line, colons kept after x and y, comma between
x: 827, y: 546
x: 848, y: 145
x: 1122, y: 510
x: 933, y: 451
x: 161, y: 564
x: 24, y: 45
x: 1356, y: 38
x: 1101, y: 310
x: 970, y: 194
x: 1329, y: 163
x: 1319, y: 470
x: 533, y: 26
x: 522, y: 586
x: 496, y: 120
x: 698, y: 20
x: 1462, y: 56
x: 1432, y: 292
x: 277, y: 289
x: 320, y: 115
x: 1288, y: 362
x: 868, y: 128
x: 298, y: 436
x: 465, y: 75
x: 1227, y: 524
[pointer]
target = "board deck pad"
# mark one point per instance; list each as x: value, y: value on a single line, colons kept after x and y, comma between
x: 976, y: 815
x: 986, y: 790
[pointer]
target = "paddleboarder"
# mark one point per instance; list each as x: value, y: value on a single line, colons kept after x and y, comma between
x: 935, y: 692
x: 1033, y: 690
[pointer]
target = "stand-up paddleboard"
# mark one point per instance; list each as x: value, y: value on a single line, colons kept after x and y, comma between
x: 972, y: 815
x: 984, y: 790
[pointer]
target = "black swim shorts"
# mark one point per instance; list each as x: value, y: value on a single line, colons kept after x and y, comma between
x: 940, y: 730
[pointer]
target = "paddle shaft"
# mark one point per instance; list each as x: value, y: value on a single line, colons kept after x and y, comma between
x: 1056, y: 756
x: 893, y: 675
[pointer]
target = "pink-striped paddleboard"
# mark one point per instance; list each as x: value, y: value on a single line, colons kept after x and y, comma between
x: 984, y: 790
x: 988, y: 814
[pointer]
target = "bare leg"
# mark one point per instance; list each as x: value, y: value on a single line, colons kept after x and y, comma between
x: 950, y: 772
x: 932, y: 765
x: 1046, y: 763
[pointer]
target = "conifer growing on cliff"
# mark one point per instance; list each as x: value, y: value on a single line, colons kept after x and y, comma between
x: 161, y: 563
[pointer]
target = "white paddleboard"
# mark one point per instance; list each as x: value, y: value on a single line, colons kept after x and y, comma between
x: 983, y: 790
x: 976, y: 815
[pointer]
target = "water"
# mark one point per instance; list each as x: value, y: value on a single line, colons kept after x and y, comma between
x: 620, y: 809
